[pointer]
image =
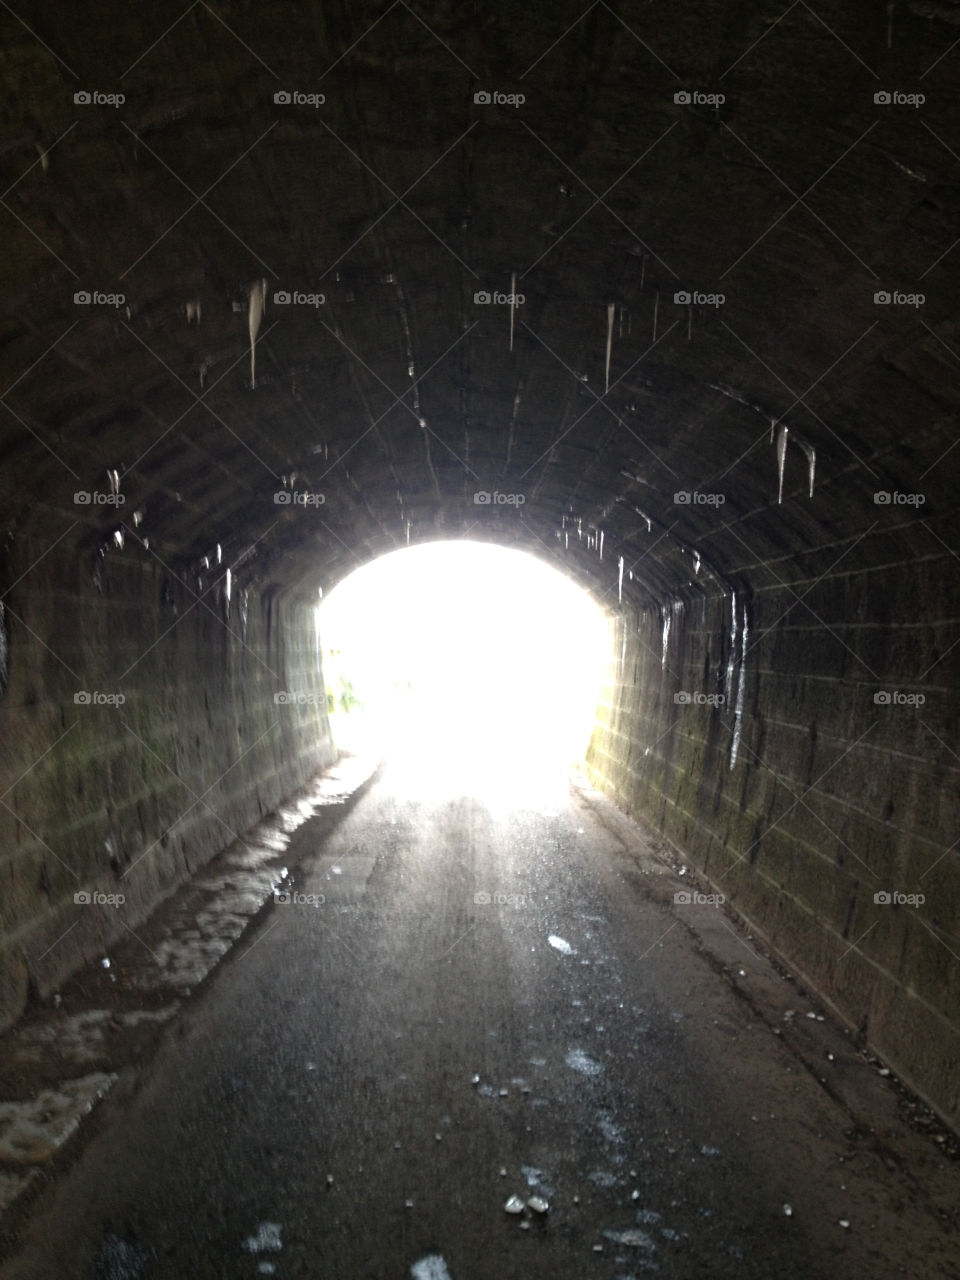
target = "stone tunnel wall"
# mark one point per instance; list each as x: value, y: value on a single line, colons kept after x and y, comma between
x: 837, y: 789
x: 131, y: 798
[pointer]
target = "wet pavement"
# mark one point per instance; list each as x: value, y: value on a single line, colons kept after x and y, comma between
x: 476, y: 1037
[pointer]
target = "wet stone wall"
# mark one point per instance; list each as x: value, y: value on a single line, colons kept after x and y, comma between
x: 147, y: 721
x: 794, y: 757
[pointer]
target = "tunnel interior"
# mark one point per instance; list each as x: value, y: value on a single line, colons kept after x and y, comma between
x: 674, y: 315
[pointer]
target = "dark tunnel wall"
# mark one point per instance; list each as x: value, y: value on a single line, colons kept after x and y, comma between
x: 140, y: 734
x: 780, y: 736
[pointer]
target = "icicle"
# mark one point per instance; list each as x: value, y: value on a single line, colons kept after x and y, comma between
x: 258, y: 302
x: 773, y: 423
x: 513, y: 304
x: 113, y: 479
x: 620, y: 580
x: 811, y: 453
x: 601, y: 544
x: 741, y: 685
x: 611, y: 311
x: 227, y: 593
x: 656, y: 312
x: 696, y: 562
x: 566, y: 542
x: 666, y: 637
x: 731, y: 660
x: 781, y: 458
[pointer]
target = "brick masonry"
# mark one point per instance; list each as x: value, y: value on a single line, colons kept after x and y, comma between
x: 132, y: 798
x: 831, y: 795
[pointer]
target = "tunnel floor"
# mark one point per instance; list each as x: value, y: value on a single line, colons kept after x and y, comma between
x: 464, y: 1001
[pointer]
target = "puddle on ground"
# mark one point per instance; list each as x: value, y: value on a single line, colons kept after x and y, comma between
x: 32, y: 1130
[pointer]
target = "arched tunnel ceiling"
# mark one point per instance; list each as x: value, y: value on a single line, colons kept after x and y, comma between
x: 599, y: 198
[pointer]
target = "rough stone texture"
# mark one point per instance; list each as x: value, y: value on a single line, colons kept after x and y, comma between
x: 823, y: 799
x: 129, y: 798
x: 398, y: 397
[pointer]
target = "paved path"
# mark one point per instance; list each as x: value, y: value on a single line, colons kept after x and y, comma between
x: 493, y: 1000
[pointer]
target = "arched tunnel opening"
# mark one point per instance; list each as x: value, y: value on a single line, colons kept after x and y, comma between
x: 477, y: 665
x: 366, y: 924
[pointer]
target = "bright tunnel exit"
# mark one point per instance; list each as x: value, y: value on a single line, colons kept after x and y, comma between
x: 475, y: 669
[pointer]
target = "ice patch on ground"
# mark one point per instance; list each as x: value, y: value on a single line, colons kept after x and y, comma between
x: 432, y: 1267
x: 267, y: 1239
x: 577, y: 1060
x: 561, y: 945
x: 32, y: 1130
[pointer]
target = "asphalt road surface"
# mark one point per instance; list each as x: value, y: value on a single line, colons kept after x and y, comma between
x: 476, y: 996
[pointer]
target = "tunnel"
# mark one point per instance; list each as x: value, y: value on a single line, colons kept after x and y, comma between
x: 662, y: 297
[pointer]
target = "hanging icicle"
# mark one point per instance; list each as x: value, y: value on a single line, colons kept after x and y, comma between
x: 741, y: 686
x: 258, y: 302
x: 620, y: 580
x: 513, y: 304
x: 781, y: 458
x: 811, y: 453
x: 611, y: 311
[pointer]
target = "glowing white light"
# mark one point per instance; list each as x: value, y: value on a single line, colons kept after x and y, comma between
x: 478, y: 667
